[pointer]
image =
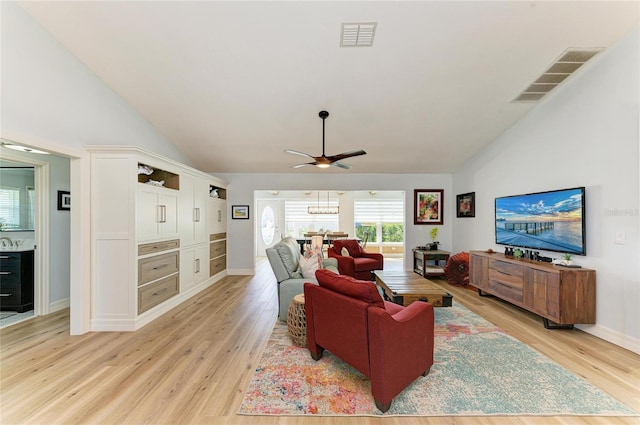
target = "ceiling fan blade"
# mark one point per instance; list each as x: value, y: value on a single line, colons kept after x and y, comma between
x: 347, y: 155
x: 298, y: 153
x: 303, y: 165
x: 341, y: 165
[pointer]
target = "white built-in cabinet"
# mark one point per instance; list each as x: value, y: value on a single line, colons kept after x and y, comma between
x: 151, y: 222
x: 194, y: 194
x: 157, y: 213
x: 194, y: 266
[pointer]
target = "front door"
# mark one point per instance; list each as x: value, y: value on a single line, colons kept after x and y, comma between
x: 268, y: 223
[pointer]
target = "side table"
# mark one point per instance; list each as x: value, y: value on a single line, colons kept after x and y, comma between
x: 297, y: 321
x: 429, y: 263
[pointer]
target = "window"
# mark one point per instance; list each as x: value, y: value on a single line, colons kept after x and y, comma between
x: 381, y: 219
x: 298, y: 221
x: 10, y: 207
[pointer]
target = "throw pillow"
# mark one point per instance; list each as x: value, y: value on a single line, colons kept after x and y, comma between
x: 309, y: 265
x: 347, y: 285
x: 345, y: 252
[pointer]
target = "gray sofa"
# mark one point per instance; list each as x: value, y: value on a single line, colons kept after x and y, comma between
x: 284, y: 258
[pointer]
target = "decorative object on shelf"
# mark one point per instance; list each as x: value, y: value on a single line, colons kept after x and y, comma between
x: 428, y: 206
x: 434, y: 243
x: 240, y: 212
x: 64, y: 200
x: 145, y: 169
x: 326, y: 161
x: 466, y: 205
x: 564, y: 261
x: 517, y: 253
x: 155, y: 183
x: 213, y: 193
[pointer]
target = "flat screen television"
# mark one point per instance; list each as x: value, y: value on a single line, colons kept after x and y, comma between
x: 550, y: 221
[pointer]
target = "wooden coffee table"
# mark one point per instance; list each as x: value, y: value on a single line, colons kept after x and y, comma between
x: 406, y: 287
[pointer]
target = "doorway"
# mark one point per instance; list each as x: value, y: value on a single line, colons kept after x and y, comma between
x: 52, y: 227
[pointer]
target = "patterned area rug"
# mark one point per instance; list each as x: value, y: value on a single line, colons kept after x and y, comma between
x: 478, y: 370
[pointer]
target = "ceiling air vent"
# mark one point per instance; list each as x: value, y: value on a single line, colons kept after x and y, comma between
x: 358, y: 34
x: 568, y: 63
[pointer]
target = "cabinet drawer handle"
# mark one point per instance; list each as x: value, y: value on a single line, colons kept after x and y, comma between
x: 219, y: 216
x: 160, y: 291
x: 5, y: 273
x: 4, y: 257
x: 5, y: 295
x: 160, y: 266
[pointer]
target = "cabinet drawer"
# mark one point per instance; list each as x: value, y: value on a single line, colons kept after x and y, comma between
x: 150, y: 248
x: 506, y: 268
x: 217, y: 249
x: 152, y: 268
x: 9, y: 296
x: 506, y: 285
x: 216, y: 236
x: 154, y: 293
x: 217, y: 265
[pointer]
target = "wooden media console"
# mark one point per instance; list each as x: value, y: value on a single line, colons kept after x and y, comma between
x: 565, y: 296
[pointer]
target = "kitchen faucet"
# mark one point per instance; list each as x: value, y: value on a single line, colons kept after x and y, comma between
x: 8, y: 240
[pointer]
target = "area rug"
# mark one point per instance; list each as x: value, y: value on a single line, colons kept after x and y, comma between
x: 478, y: 370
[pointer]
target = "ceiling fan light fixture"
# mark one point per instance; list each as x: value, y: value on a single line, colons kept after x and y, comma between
x: 326, y: 161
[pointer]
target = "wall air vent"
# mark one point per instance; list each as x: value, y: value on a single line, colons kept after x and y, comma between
x: 568, y: 63
x: 358, y: 34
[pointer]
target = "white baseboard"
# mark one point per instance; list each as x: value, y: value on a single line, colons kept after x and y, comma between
x: 243, y: 272
x: 59, y: 305
x: 614, y: 337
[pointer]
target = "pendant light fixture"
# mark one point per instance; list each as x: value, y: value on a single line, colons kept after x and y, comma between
x: 329, y: 209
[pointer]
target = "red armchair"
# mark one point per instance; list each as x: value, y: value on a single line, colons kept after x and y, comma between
x: 389, y: 344
x: 358, y: 263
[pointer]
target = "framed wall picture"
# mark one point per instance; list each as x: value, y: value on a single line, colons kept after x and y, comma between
x: 240, y: 212
x: 427, y: 206
x: 466, y: 205
x: 64, y: 200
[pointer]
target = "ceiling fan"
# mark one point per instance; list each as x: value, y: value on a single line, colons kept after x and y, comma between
x: 326, y: 161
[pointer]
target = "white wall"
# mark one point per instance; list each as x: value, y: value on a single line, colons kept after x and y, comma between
x: 585, y: 134
x: 48, y: 94
x: 240, y: 233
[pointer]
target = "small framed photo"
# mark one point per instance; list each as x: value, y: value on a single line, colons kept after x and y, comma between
x: 240, y: 212
x: 64, y: 200
x: 427, y: 206
x: 466, y: 205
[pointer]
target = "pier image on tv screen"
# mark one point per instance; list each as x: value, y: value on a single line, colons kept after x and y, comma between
x: 552, y: 221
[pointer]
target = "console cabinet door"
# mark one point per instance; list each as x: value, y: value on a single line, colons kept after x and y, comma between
x: 478, y: 272
x: 542, y: 293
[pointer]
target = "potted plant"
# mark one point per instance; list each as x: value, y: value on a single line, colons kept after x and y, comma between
x: 433, y: 246
x: 566, y: 259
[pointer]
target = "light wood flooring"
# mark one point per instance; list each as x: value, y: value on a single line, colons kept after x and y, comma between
x: 192, y: 365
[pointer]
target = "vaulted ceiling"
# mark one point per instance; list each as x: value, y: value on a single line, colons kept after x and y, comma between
x: 234, y: 84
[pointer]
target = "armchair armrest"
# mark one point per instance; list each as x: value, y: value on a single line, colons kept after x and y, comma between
x: 376, y: 256
x: 401, y: 348
x: 346, y: 265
